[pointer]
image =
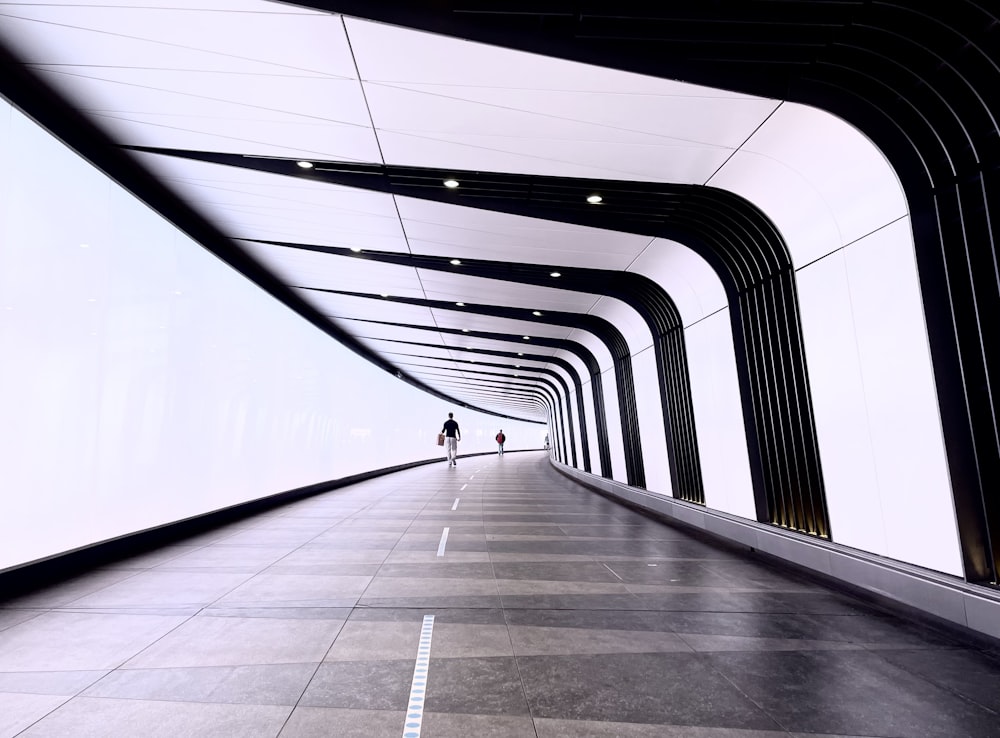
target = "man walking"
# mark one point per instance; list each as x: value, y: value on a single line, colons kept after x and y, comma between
x: 500, y: 439
x: 452, y: 435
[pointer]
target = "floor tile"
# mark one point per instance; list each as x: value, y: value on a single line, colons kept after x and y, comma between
x: 966, y: 672
x: 361, y: 685
x: 91, y: 717
x: 12, y: 617
x: 267, y: 684
x: 211, y: 641
x: 324, y: 722
x: 457, y: 725
x: 549, y: 728
x: 534, y: 641
x: 296, y: 590
x: 64, y: 683
x: 667, y: 688
x: 19, y: 711
x: 832, y: 692
x: 375, y: 641
x: 58, y: 641
x: 163, y: 588
x: 484, y: 686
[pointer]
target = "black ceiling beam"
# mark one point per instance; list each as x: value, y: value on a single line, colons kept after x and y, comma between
x: 543, y: 372
x: 604, y: 330
x: 573, y: 347
x: 558, y: 361
x: 919, y: 79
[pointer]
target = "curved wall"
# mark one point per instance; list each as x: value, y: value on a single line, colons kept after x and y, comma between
x: 144, y: 381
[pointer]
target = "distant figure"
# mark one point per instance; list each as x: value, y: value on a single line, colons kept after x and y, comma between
x: 500, y: 439
x: 546, y: 441
x: 452, y: 435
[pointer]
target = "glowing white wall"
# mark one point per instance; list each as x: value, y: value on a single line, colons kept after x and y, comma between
x: 144, y: 381
x: 842, y: 212
x: 722, y: 445
x: 877, y: 423
x: 650, y: 412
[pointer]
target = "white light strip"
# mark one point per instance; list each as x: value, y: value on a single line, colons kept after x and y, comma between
x: 455, y: 506
x: 418, y: 686
x: 463, y: 487
x: 444, y: 540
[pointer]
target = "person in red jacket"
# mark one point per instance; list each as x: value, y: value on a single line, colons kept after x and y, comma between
x: 500, y: 439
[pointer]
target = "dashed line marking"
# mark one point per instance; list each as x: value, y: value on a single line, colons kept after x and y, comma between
x: 463, y: 487
x: 455, y: 506
x: 418, y: 685
x: 444, y: 541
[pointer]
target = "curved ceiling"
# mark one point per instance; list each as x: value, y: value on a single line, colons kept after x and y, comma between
x: 274, y: 84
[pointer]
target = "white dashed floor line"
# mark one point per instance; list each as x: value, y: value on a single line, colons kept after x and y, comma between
x: 418, y: 686
x: 444, y: 541
x: 455, y: 506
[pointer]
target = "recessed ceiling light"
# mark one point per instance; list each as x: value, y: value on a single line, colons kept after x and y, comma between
x: 465, y: 330
x: 356, y: 249
x: 594, y: 199
x: 519, y: 353
x: 536, y: 313
x: 383, y: 294
x: 460, y: 304
x: 451, y: 183
x: 455, y: 262
x: 517, y: 366
x: 555, y: 274
x: 526, y: 338
x: 305, y: 164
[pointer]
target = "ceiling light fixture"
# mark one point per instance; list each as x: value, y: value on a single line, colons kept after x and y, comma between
x: 536, y: 313
x: 555, y: 274
x: 356, y: 249
x: 465, y: 330
x: 519, y: 353
x: 526, y: 338
x: 460, y: 304
x: 594, y: 199
x: 455, y: 262
x: 451, y: 183
x: 384, y: 294
x: 305, y: 164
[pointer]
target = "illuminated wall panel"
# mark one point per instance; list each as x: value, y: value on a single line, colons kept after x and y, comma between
x: 654, y: 446
x: 144, y: 381
x: 721, y: 434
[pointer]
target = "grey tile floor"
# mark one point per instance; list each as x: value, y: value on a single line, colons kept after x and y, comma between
x: 556, y: 613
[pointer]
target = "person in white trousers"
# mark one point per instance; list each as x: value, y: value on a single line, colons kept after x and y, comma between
x: 452, y: 435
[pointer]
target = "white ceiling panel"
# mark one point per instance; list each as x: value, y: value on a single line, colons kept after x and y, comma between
x: 689, y: 280
x: 625, y: 318
x: 346, y: 306
x: 172, y: 37
x: 453, y: 230
x: 609, y: 116
x: 472, y: 321
x: 482, y: 290
x: 555, y: 157
x: 266, y: 97
x: 311, y: 269
x: 425, y: 57
x: 249, y: 204
x: 293, y: 139
x: 498, y: 110
x: 392, y: 332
